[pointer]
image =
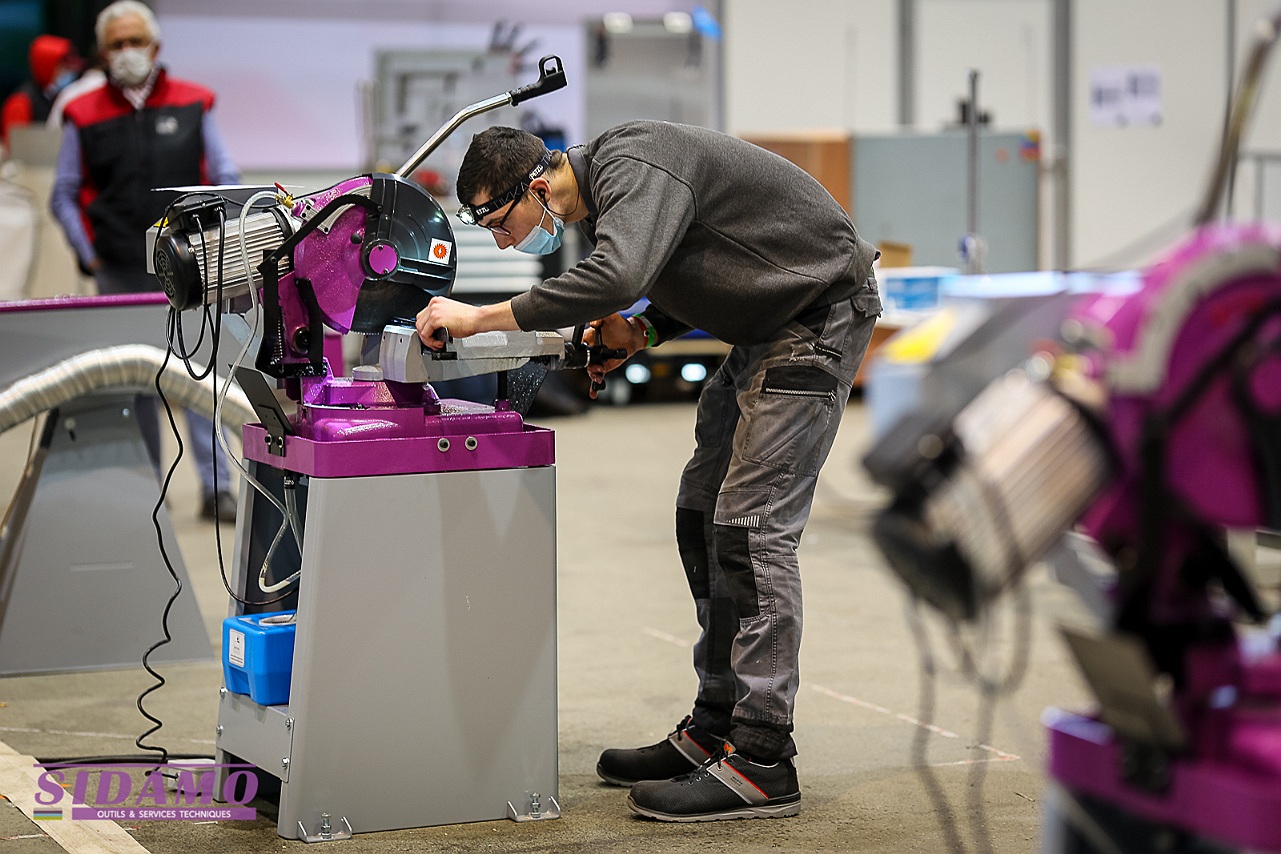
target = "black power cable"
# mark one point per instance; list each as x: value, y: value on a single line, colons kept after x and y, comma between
x: 164, y: 619
x: 115, y: 759
x: 177, y: 346
x: 175, y: 331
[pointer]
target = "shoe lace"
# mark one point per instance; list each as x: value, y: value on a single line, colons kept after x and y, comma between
x: 716, y: 759
x: 682, y: 726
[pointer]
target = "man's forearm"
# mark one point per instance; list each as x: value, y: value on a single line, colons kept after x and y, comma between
x: 498, y: 317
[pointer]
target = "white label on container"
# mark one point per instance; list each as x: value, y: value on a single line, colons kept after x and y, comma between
x: 236, y: 647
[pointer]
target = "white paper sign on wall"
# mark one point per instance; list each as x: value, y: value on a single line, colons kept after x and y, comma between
x: 1125, y: 96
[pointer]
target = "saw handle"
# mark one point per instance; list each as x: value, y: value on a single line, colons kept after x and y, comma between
x: 551, y: 76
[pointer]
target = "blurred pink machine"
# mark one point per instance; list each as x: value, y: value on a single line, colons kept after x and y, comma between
x: 1152, y: 423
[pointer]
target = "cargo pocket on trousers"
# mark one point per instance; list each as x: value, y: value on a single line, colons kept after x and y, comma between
x: 867, y: 300
x: 790, y: 417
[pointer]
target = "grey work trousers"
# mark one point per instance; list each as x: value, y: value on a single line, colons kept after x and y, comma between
x: 766, y: 422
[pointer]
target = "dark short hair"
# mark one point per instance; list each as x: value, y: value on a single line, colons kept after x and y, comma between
x: 498, y: 158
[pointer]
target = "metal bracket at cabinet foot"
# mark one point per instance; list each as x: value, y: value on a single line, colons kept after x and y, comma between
x: 326, y: 832
x: 536, y: 809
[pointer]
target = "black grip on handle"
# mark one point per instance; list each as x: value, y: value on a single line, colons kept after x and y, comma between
x: 441, y: 335
x: 551, y: 76
x: 607, y: 354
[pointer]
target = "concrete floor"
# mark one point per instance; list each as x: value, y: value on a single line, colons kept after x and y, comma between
x: 626, y: 626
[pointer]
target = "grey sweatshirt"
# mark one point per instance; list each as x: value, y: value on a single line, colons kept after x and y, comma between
x: 719, y: 234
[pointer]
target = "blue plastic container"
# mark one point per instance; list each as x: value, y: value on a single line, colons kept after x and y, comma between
x: 258, y: 656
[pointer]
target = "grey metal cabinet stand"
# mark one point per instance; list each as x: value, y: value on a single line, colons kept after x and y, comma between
x: 424, y: 670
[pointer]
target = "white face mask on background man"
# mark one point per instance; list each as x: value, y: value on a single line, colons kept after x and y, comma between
x: 130, y: 66
x: 128, y: 46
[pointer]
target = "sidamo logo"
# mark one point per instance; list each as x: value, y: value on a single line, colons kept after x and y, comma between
x: 107, y: 793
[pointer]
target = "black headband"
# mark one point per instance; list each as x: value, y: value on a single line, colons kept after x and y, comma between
x: 473, y: 214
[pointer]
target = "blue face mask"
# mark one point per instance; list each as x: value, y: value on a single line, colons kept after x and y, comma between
x: 60, y: 82
x: 540, y: 241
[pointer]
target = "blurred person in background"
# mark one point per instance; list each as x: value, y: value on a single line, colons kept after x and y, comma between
x: 141, y: 130
x: 91, y: 78
x: 54, y: 64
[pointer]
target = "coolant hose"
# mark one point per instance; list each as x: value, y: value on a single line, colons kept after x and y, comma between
x: 126, y: 366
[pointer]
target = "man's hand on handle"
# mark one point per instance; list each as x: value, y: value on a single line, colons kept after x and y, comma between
x: 461, y: 320
x: 616, y: 332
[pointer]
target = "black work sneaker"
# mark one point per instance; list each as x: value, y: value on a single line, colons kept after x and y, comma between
x: 684, y: 750
x: 726, y: 787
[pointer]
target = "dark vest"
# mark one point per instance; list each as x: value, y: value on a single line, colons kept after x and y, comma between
x: 41, y: 104
x: 126, y: 154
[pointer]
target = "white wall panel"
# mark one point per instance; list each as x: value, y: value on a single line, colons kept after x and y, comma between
x: 1007, y: 41
x: 435, y: 12
x: 816, y: 64
x: 1141, y: 185
x: 287, y: 87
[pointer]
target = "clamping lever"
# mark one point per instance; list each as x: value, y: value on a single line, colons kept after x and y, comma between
x: 444, y: 353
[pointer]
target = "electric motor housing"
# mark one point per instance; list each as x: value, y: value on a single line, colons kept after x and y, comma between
x: 190, y: 256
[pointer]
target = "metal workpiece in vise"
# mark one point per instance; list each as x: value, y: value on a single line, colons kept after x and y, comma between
x: 403, y: 358
x: 365, y: 255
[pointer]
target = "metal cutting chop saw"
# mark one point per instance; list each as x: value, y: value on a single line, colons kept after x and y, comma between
x: 421, y: 688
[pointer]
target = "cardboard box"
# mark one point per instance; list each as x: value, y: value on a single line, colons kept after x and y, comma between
x: 894, y: 254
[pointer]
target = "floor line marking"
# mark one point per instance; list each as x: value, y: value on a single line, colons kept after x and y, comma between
x: 1004, y: 757
x: 664, y: 636
x: 855, y: 701
x: 998, y: 755
x: 1001, y: 755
